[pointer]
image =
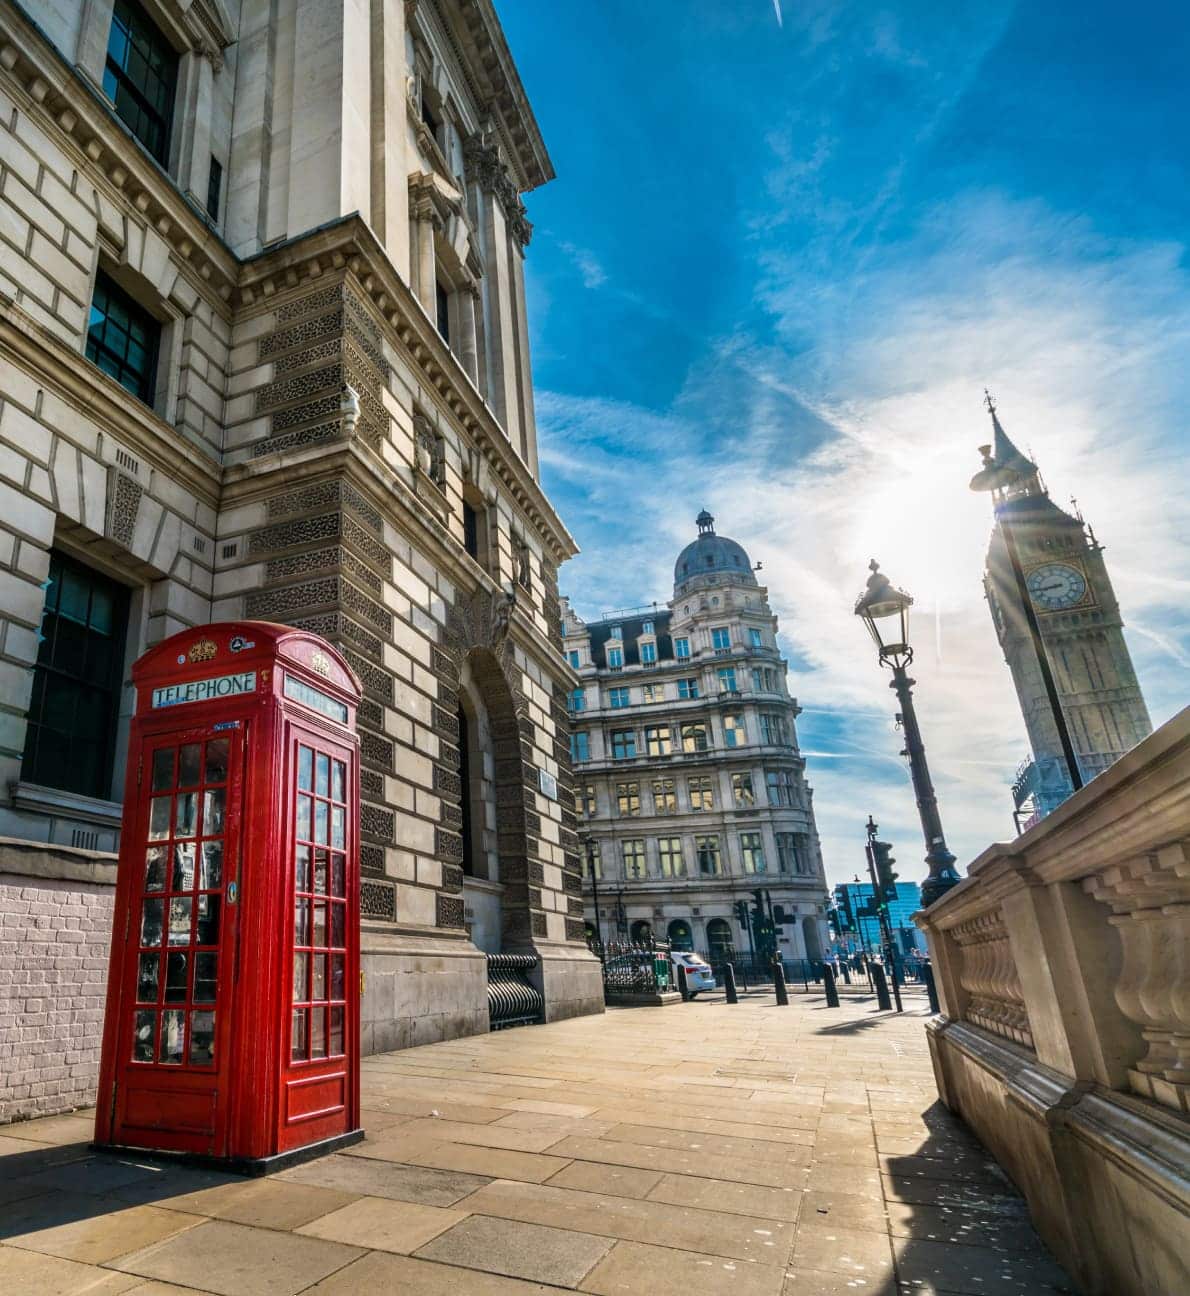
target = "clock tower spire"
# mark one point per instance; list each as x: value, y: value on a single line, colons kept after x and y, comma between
x: 1079, y: 623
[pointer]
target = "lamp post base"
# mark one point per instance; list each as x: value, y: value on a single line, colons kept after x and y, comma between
x: 937, y: 885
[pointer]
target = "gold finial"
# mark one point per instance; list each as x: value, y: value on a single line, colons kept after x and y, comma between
x: 873, y: 566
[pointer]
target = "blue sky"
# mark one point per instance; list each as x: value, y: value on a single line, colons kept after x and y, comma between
x: 780, y: 263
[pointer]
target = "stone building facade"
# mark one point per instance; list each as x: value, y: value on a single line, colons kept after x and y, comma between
x: 1081, y: 627
x: 688, y: 779
x: 263, y: 354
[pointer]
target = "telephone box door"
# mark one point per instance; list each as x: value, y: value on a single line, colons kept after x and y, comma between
x: 319, y: 1090
x: 178, y: 968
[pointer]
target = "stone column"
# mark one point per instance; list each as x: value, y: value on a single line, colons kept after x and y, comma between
x: 424, y: 224
x: 468, y: 349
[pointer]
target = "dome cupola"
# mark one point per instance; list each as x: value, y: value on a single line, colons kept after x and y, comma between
x: 711, y: 560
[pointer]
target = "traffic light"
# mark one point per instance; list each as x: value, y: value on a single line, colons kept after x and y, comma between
x: 741, y: 913
x: 781, y: 918
x: 886, y: 877
x: 846, y: 917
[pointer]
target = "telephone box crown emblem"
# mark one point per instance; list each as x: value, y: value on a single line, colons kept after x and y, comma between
x: 202, y: 650
x: 321, y: 662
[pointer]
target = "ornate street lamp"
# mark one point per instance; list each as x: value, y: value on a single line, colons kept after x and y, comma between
x: 885, y: 611
x: 594, y: 872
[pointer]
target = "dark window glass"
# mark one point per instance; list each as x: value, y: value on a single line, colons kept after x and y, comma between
x: 470, y: 530
x: 122, y: 339
x: 140, y: 77
x: 214, y: 185
x: 442, y: 297
x: 76, y: 682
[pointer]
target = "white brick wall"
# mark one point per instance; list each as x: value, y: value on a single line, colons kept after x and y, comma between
x: 54, y: 937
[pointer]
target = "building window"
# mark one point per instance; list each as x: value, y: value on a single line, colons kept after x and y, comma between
x: 687, y: 688
x: 122, y: 339
x: 572, y: 657
x: 780, y: 787
x: 140, y: 77
x: 578, y: 699
x: 659, y: 740
x: 682, y: 649
x: 580, y: 746
x: 787, y: 853
x: 654, y: 692
x: 755, y: 638
x: 772, y: 729
x: 634, y: 858
x: 616, y: 632
x: 721, y: 639
x: 741, y: 789
x: 618, y: 697
x: 707, y: 849
x: 752, y: 852
x: 623, y: 744
x: 648, y: 654
x: 587, y: 799
x: 76, y: 681
x: 646, y: 627
x: 442, y: 311
x: 592, y: 861
x: 727, y: 680
x: 702, y: 795
x: 695, y: 737
x: 471, y: 534
x: 214, y: 187
x: 615, y: 658
x: 628, y: 798
x: 757, y: 679
x: 733, y: 731
x: 669, y: 856
x: 665, y: 801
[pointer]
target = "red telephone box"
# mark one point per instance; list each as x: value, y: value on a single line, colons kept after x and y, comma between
x: 232, y: 1024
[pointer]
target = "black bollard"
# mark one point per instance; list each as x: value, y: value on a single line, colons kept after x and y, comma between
x: 729, y: 983
x: 927, y: 975
x: 683, y: 988
x: 779, y: 983
x: 882, y: 1000
x: 828, y: 981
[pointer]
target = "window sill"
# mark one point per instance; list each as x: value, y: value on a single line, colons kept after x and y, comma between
x: 67, y: 805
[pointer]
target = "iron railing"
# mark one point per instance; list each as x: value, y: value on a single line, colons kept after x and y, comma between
x: 513, y: 1000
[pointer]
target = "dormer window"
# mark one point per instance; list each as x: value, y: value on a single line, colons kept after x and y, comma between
x: 646, y: 628
x: 616, y: 632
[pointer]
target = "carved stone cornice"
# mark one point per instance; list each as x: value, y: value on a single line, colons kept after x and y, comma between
x: 482, y: 156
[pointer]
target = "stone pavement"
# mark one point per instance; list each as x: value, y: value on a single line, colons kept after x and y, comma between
x: 679, y: 1151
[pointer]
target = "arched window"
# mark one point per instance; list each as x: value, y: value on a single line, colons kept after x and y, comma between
x: 719, y: 940
x: 680, y: 935
x: 642, y: 932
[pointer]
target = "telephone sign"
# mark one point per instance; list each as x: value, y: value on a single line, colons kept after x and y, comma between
x: 232, y: 1023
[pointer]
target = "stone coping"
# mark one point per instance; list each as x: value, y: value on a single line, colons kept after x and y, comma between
x: 47, y: 861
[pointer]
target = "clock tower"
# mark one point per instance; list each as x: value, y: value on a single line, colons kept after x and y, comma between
x: 1080, y: 627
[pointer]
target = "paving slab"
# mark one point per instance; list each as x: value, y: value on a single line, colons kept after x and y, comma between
x: 31, y: 1274
x: 634, y: 1268
x: 519, y: 1250
x: 380, y: 1272
x: 78, y: 1226
x: 367, y: 1177
x: 381, y: 1224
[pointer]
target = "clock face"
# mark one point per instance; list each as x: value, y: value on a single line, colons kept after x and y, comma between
x: 1056, y: 585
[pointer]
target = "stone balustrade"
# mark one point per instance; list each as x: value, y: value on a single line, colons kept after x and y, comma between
x: 1063, y: 970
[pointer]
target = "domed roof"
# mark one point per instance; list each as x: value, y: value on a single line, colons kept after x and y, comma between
x: 711, y: 556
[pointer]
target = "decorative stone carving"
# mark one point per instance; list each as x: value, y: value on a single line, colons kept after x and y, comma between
x: 989, y: 976
x: 481, y: 154
x: 123, y: 505
x: 431, y: 450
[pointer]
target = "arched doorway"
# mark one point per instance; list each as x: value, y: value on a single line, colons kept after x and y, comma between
x: 719, y: 941
x: 642, y: 932
x: 680, y: 935
x: 812, y: 939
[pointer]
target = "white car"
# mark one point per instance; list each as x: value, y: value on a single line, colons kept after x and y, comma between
x: 698, y: 973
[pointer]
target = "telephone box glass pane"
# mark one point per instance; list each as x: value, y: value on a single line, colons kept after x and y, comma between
x: 155, y: 868
x: 159, y: 809
x: 183, y: 870
x: 338, y: 976
x: 319, y: 924
x: 301, y: 869
x: 211, y: 874
x: 146, y: 978
x: 180, y: 910
x: 152, y: 921
x: 163, y: 769
x: 202, y: 1038
x: 321, y: 810
x: 339, y: 781
x: 189, y: 765
x: 336, y: 1040
x: 318, y: 1032
x: 175, y: 978
x: 338, y: 827
x: 298, y: 1035
x: 322, y: 774
x: 338, y: 926
x: 213, y: 809
x: 218, y: 751
x: 143, y: 1030
x: 305, y: 769
x: 301, y: 921
x: 338, y: 875
x: 208, y: 920
x: 204, y: 977
x: 173, y: 1029
x: 320, y: 870
x: 300, y: 968
x: 187, y: 820
x: 303, y: 818
x: 318, y: 987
